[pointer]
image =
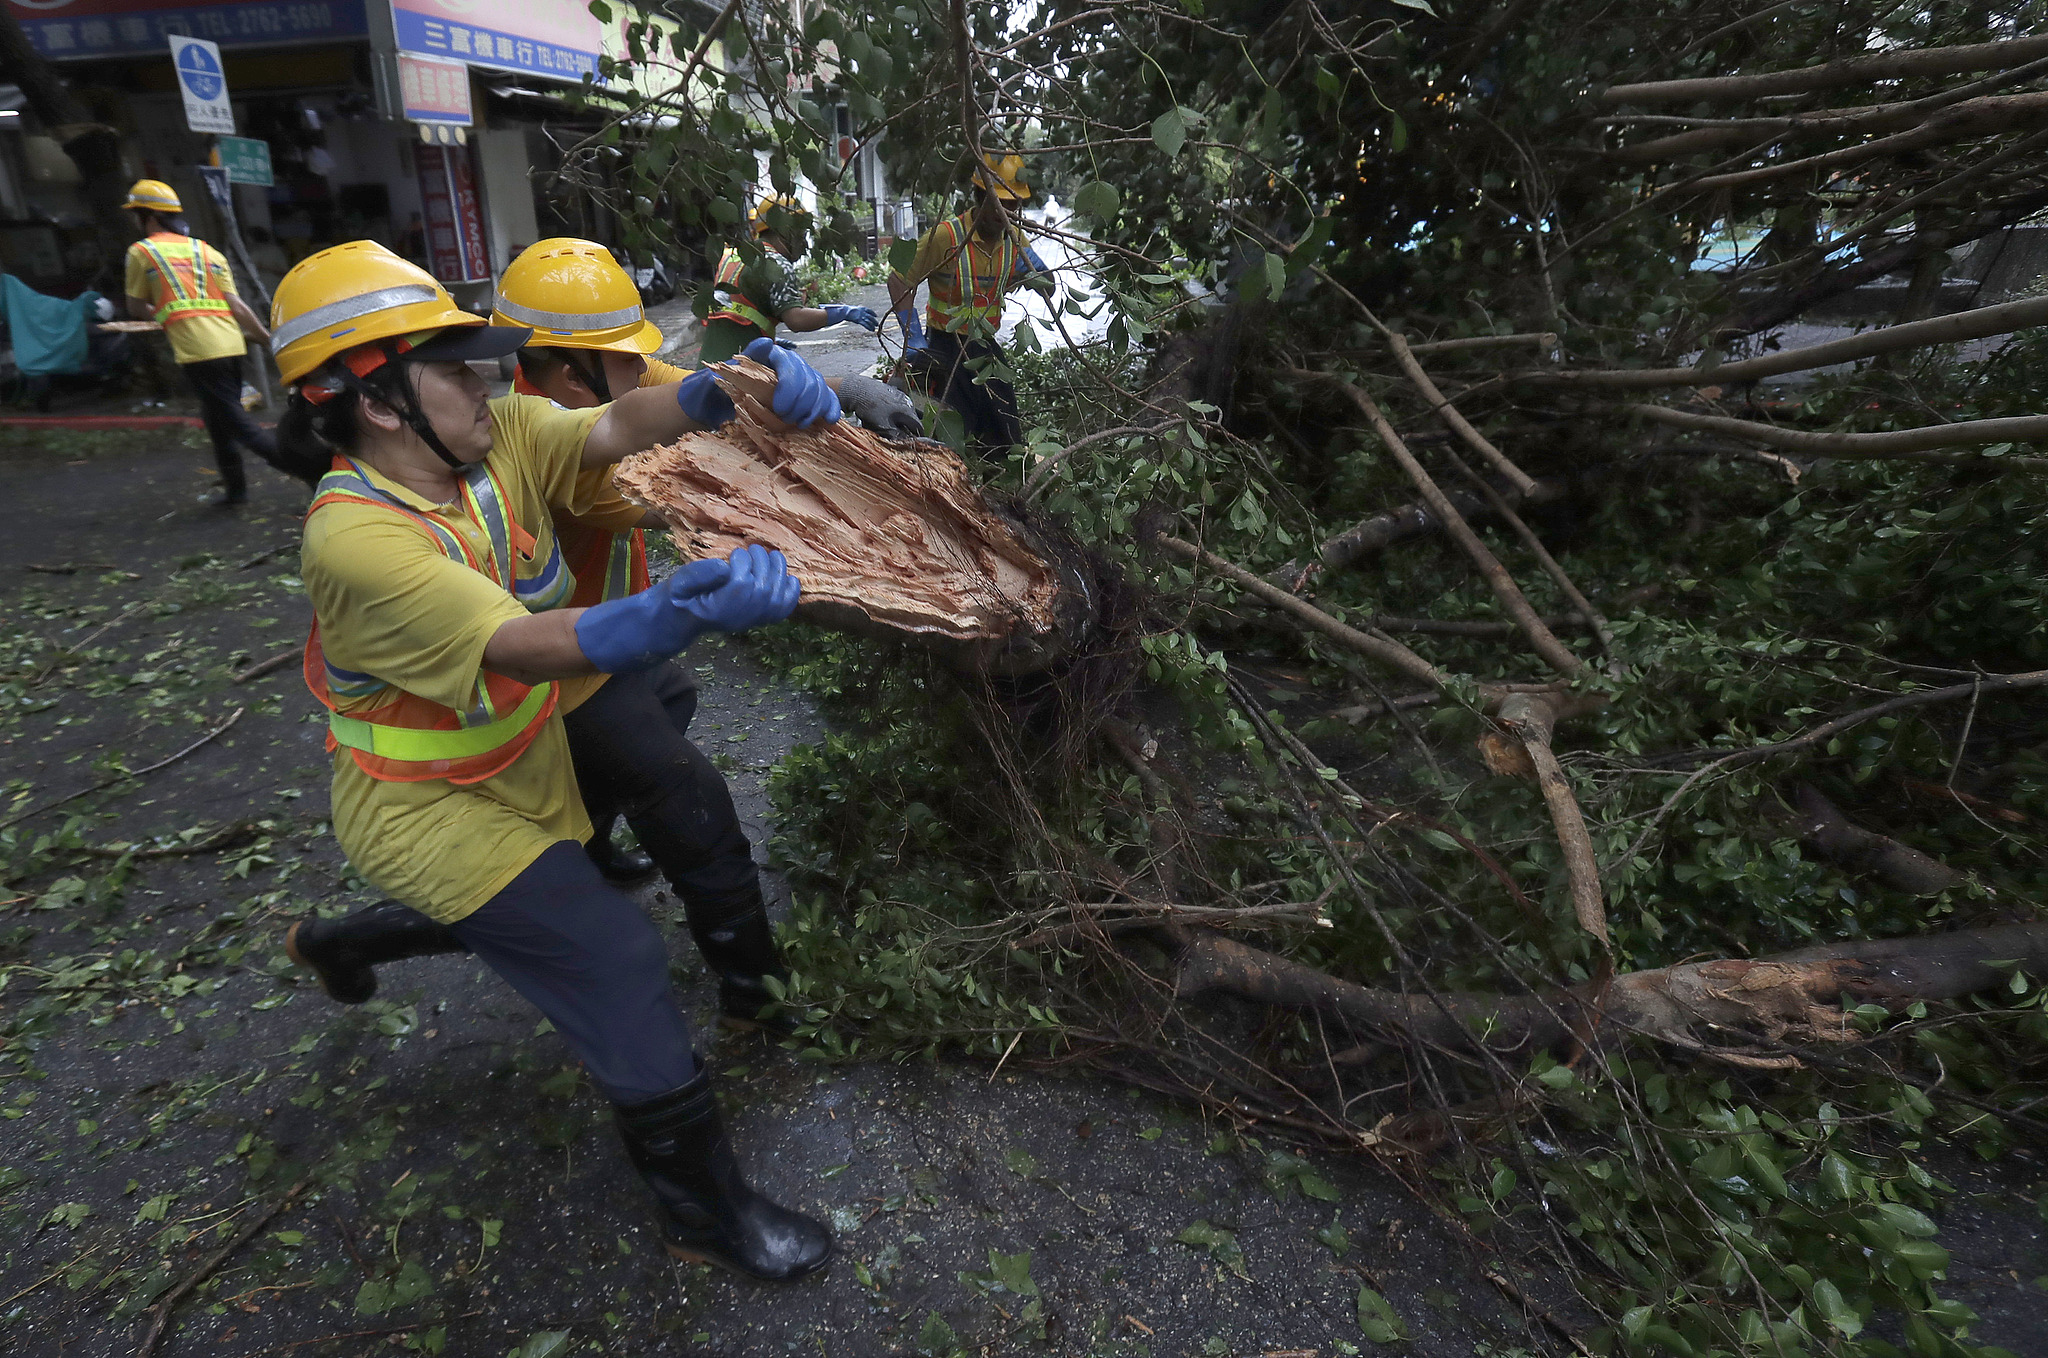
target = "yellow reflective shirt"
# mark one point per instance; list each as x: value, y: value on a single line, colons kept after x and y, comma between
x: 196, y: 338
x: 392, y: 605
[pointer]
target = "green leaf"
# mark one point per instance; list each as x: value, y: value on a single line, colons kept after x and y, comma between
x: 937, y: 1337
x: 1377, y: 1318
x: 543, y: 1344
x: 1422, y: 5
x: 1335, y: 1238
x: 1096, y: 199
x: 1170, y: 131
x: 1276, y: 276
x: 1316, y: 1186
x: 1905, y: 1220
x: 1837, y: 1177
x: 1827, y: 1299
x: 600, y: 11
x: 1151, y: 1134
x: 1397, y: 130
x: 1013, y: 1271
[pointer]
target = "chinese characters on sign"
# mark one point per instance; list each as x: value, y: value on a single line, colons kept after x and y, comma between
x: 70, y: 29
x: 556, y: 38
x: 452, y: 215
x: 203, y: 84
x: 434, y: 91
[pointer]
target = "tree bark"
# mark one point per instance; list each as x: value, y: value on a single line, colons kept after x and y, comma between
x: 1381, y: 531
x: 1823, y: 828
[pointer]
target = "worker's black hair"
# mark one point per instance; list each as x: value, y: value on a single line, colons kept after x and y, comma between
x: 309, y: 435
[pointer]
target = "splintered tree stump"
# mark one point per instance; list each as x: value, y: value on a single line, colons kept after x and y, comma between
x: 888, y: 537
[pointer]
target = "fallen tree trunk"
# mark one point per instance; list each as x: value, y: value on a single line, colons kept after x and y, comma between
x: 888, y: 538
x: 1834, y: 75
x: 1976, y: 118
x: 1822, y: 122
x: 1793, y: 997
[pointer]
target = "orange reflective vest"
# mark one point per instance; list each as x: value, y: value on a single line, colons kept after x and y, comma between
x: 189, y: 288
x: 732, y: 306
x: 409, y: 739
x: 967, y: 291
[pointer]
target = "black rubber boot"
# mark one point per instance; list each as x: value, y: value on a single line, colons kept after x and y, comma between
x: 341, y: 952
x: 620, y: 867
x: 708, y: 1213
x: 734, y: 937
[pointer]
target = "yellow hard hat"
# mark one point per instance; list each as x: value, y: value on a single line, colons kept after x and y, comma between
x: 574, y: 295
x: 350, y: 296
x: 153, y: 195
x: 1004, y: 177
x: 781, y: 202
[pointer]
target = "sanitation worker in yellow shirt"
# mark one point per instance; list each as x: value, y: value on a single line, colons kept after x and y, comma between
x: 444, y: 655
x: 185, y: 286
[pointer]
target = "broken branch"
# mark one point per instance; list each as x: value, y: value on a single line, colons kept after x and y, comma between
x: 1897, y: 443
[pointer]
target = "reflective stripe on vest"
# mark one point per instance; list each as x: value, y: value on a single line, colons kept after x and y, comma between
x: 967, y: 297
x: 732, y: 306
x: 188, y: 281
x: 415, y: 746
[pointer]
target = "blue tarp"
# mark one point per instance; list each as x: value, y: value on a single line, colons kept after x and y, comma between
x: 49, y: 333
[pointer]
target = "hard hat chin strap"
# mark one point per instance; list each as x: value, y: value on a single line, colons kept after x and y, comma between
x: 594, y: 376
x: 352, y: 373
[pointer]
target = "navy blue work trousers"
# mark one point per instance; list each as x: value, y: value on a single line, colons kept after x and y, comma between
x: 593, y: 963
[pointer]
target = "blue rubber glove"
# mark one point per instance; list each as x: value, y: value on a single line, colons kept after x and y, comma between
x: 862, y: 316
x: 801, y: 396
x: 643, y: 629
x: 760, y: 591
x: 702, y: 401
x: 913, y: 329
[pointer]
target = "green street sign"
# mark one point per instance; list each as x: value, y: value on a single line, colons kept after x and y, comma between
x: 246, y: 160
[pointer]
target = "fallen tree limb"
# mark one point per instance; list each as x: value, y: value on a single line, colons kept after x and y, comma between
x: 1838, y: 74
x: 1532, y: 717
x: 1826, y: 731
x: 1981, y: 323
x: 1823, y: 828
x: 1791, y: 997
x: 1044, y: 470
x: 1382, y: 531
x: 219, y: 839
x: 268, y: 665
x: 1505, y: 590
x: 1389, y: 653
x: 19, y: 817
x: 1544, y: 339
x: 1451, y: 416
x: 1976, y: 118
x: 199, y: 1275
x: 1915, y: 444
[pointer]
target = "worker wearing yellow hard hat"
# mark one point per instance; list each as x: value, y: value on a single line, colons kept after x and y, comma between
x: 185, y: 286
x: 971, y: 262
x: 755, y: 291
x: 628, y: 739
x: 445, y: 659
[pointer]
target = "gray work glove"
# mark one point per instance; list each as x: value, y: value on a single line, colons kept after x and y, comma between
x: 880, y: 407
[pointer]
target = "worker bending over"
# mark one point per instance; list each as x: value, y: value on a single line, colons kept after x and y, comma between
x: 971, y: 261
x: 445, y: 656
x: 590, y: 340
x: 753, y: 295
x: 184, y: 285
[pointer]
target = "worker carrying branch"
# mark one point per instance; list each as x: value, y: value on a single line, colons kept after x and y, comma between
x: 753, y: 294
x: 445, y: 658
x: 970, y: 263
x: 185, y: 286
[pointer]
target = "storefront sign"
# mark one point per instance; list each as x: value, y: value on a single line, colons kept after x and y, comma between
x: 452, y: 215
x: 203, y: 84
x: 75, y: 29
x: 434, y: 91
x: 246, y: 160
x: 555, y: 38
